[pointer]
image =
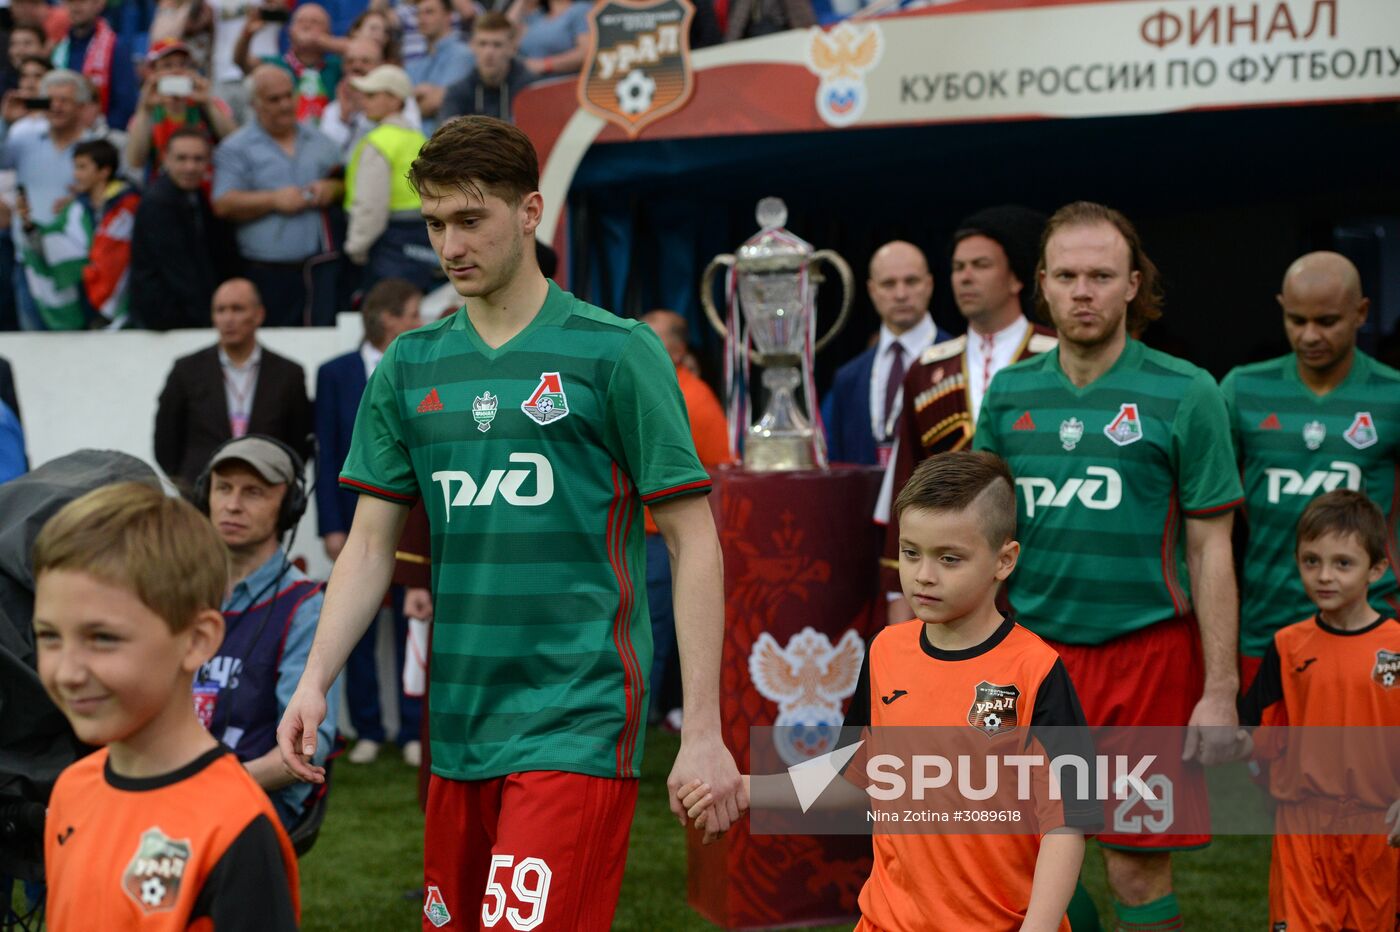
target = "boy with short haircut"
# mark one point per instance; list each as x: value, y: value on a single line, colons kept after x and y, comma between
x: 1339, y: 668
x: 957, y: 543
x: 163, y: 827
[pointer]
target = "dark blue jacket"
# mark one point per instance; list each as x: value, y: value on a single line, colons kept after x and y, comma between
x: 124, y: 90
x: 846, y: 413
x: 339, y: 385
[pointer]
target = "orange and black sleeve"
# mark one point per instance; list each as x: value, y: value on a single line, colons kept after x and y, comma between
x: 248, y: 887
x: 1058, y: 726
x: 1266, y: 690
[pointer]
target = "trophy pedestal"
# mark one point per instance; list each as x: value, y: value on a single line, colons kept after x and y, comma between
x: 800, y: 551
x: 781, y: 441
x: 764, y: 452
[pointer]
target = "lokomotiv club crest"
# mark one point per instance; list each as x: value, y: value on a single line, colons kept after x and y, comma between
x: 639, y: 68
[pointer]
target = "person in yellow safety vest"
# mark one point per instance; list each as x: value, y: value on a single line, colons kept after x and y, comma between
x: 386, y: 233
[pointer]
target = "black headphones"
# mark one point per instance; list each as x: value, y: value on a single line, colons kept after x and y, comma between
x: 294, y: 500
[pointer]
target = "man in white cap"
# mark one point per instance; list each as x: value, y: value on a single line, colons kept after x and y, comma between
x: 386, y: 233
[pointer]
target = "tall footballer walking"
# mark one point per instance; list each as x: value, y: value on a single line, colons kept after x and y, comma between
x: 534, y: 427
x: 1128, y: 486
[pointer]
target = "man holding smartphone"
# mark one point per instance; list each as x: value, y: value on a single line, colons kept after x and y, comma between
x: 174, y: 95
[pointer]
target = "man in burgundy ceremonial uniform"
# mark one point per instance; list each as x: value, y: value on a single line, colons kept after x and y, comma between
x: 993, y: 276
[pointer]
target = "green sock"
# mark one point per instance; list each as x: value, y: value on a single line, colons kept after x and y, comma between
x: 1158, y: 916
x: 1083, y: 914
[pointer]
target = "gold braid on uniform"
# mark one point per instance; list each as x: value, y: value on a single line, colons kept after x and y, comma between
x: 934, y: 392
x: 960, y: 421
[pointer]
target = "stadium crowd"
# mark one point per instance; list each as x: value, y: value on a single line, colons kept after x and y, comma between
x: 152, y: 149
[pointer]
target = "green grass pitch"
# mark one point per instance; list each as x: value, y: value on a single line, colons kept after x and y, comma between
x: 366, y: 869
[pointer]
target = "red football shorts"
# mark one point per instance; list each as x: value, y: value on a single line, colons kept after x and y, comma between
x: 1151, y: 677
x: 542, y: 850
x: 1249, y: 669
x: 1330, y: 881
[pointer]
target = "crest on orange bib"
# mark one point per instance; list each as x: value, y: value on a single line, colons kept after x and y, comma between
x: 1386, y: 672
x: 639, y: 68
x: 993, y: 709
x: 156, y: 871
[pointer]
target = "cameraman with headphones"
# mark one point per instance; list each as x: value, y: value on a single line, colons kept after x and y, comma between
x: 254, y: 491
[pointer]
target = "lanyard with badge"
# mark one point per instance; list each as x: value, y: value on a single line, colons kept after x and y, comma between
x: 240, y: 411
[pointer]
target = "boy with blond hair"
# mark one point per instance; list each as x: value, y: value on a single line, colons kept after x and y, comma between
x: 1331, y: 866
x: 162, y: 827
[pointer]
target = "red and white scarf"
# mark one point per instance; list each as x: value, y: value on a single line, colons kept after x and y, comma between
x: 97, y: 61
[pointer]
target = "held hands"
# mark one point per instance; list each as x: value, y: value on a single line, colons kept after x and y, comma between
x: 1211, y: 734
x: 696, y: 799
x: 704, y: 759
x: 296, y: 735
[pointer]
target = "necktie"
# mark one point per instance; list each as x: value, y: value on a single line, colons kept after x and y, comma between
x: 988, y: 343
x: 895, y: 380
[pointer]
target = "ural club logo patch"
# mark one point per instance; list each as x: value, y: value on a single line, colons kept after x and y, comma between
x: 993, y: 709
x: 1270, y: 423
x: 1386, y: 672
x: 1024, y: 422
x: 1362, y: 432
x: 1314, y: 432
x: 484, y: 410
x: 153, y: 877
x: 547, y: 402
x: 430, y: 402
x: 435, y: 908
x: 1071, y: 432
x: 1126, y: 428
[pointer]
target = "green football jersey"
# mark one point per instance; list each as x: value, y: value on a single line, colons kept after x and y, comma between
x: 1294, y: 445
x: 1105, y: 476
x: 533, y: 461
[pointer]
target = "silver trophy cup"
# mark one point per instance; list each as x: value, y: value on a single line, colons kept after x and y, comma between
x: 776, y: 279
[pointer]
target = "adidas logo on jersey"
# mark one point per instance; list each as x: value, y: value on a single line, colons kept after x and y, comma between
x: 1270, y: 423
x: 1101, y: 491
x: 1291, y: 482
x: 460, y: 490
x: 1024, y: 422
x: 430, y: 402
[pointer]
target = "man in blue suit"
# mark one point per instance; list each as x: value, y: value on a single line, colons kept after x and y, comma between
x: 390, y: 308
x: 859, y: 411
